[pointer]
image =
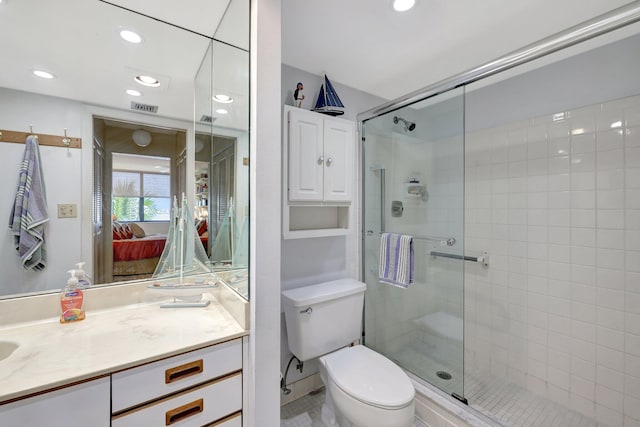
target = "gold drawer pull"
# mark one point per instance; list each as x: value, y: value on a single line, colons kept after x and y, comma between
x: 184, y: 411
x: 183, y: 371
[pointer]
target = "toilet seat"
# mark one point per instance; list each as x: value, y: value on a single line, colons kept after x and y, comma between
x: 369, y: 377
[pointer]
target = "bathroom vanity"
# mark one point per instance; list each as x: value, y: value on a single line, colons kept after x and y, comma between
x: 129, y: 365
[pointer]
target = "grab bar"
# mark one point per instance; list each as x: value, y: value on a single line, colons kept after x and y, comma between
x: 484, y: 259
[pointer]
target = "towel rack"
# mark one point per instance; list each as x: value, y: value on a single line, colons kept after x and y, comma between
x: 483, y: 259
x: 449, y: 241
x: 43, y: 139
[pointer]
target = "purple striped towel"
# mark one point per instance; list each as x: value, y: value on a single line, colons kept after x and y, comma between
x: 396, y: 259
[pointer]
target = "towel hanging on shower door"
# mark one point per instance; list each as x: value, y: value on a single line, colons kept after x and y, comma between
x: 396, y: 259
x: 29, y: 214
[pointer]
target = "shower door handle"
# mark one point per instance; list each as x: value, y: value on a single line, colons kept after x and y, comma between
x: 320, y: 160
x: 329, y: 161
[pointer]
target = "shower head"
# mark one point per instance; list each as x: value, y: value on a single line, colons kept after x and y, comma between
x: 408, y: 126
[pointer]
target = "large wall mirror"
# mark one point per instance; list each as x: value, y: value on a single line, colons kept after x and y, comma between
x: 180, y: 128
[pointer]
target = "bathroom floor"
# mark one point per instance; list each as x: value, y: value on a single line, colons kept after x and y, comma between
x: 305, y: 412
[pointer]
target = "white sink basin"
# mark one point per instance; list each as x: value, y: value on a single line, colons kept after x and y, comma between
x: 7, y: 348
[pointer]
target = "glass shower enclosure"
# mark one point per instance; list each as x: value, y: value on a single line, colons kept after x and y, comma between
x: 413, y: 174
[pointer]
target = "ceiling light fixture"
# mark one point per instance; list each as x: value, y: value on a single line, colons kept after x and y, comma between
x: 141, y: 137
x: 403, y: 5
x: 616, y: 124
x: 43, y: 74
x: 221, y: 111
x: 147, y: 81
x: 131, y: 36
x: 133, y: 92
x: 223, y: 99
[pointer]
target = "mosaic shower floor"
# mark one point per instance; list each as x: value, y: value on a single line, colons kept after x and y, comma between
x: 498, y: 399
x: 305, y: 412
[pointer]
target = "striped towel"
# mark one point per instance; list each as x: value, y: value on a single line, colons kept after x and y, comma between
x: 396, y: 259
x: 29, y: 213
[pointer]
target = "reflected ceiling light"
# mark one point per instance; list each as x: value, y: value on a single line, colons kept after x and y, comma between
x: 616, y: 124
x: 403, y: 5
x: 221, y: 111
x: 558, y: 116
x: 141, y: 137
x: 147, y: 81
x: 131, y: 36
x: 223, y: 99
x: 133, y: 92
x: 578, y: 131
x: 43, y: 74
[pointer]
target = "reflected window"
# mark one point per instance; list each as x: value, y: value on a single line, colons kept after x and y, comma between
x: 141, y: 188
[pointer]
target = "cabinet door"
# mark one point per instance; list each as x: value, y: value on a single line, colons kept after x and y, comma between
x: 85, y: 404
x: 305, y: 156
x: 339, y: 145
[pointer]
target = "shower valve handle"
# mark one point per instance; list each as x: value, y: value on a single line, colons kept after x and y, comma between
x: 320, y: 160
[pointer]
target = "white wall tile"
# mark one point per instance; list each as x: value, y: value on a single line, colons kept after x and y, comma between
x: 610, y: 180
x: 559, y: 182
x: 609, y: 378
x: 608, y: 160
x: 614, y: 218
x: 609, y: 140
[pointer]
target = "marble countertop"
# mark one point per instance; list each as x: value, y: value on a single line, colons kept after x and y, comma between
x: 51, y: 354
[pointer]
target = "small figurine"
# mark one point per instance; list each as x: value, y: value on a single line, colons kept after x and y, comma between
x: 298, y: 96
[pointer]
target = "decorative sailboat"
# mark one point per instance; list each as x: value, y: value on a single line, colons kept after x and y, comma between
x: 183, y: 258
x: 328, y: 101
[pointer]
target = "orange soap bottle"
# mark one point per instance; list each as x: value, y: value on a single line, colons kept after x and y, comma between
x: 71, y: 300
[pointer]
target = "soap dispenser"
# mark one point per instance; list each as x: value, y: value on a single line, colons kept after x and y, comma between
x: 84, y: 281
x: 71, y: 300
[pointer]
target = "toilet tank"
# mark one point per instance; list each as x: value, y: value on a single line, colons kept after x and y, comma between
x: 324, y: 317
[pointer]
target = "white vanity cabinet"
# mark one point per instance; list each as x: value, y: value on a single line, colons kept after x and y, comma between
x: 84, y: 404
x: 319, y: 157
x: 203, y: 387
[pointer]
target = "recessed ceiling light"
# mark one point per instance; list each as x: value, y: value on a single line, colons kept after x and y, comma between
x: 131, y: 36
x: 133, y: 92
x: 43, y: 74
x: 147, y: 81
x: 616, y: 124
x: 403, y: 5
x: 221, y: 111
x: 223, y: 99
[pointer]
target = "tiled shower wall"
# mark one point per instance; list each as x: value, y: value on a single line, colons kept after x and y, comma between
x: 555, y: 200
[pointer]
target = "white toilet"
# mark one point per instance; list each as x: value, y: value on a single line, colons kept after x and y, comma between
x: 363, y: 388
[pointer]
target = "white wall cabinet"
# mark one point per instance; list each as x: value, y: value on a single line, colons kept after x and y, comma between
x: 319, y: 185
x: 320, y: 161
x: 85, y: 404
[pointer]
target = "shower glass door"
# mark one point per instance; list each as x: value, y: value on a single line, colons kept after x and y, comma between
x: 413, y: 177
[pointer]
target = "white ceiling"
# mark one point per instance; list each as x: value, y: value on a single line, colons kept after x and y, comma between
x: 78, y: 41
x: 365, y: 44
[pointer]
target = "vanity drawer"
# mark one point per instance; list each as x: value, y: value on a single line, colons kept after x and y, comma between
x: 198, y: 406
x: 144, y: 383
x: 234, y: 420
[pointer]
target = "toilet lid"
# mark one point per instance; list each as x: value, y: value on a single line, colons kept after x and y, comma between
x: 370, y: 377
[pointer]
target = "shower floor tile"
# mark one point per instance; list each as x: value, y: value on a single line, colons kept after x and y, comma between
x: 496, y: 398
x: 305, y: 412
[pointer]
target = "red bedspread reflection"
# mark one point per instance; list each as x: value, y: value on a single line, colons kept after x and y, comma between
x: 135, y: 249
x: 142, y: 248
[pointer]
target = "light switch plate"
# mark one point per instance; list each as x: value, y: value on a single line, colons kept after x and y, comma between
x: 68, y: 210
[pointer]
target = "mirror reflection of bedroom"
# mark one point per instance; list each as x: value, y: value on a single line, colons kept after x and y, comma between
x: 138, y: 169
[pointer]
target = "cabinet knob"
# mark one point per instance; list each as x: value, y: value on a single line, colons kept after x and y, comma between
x: 329, y: 161
x: 320, y: 160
